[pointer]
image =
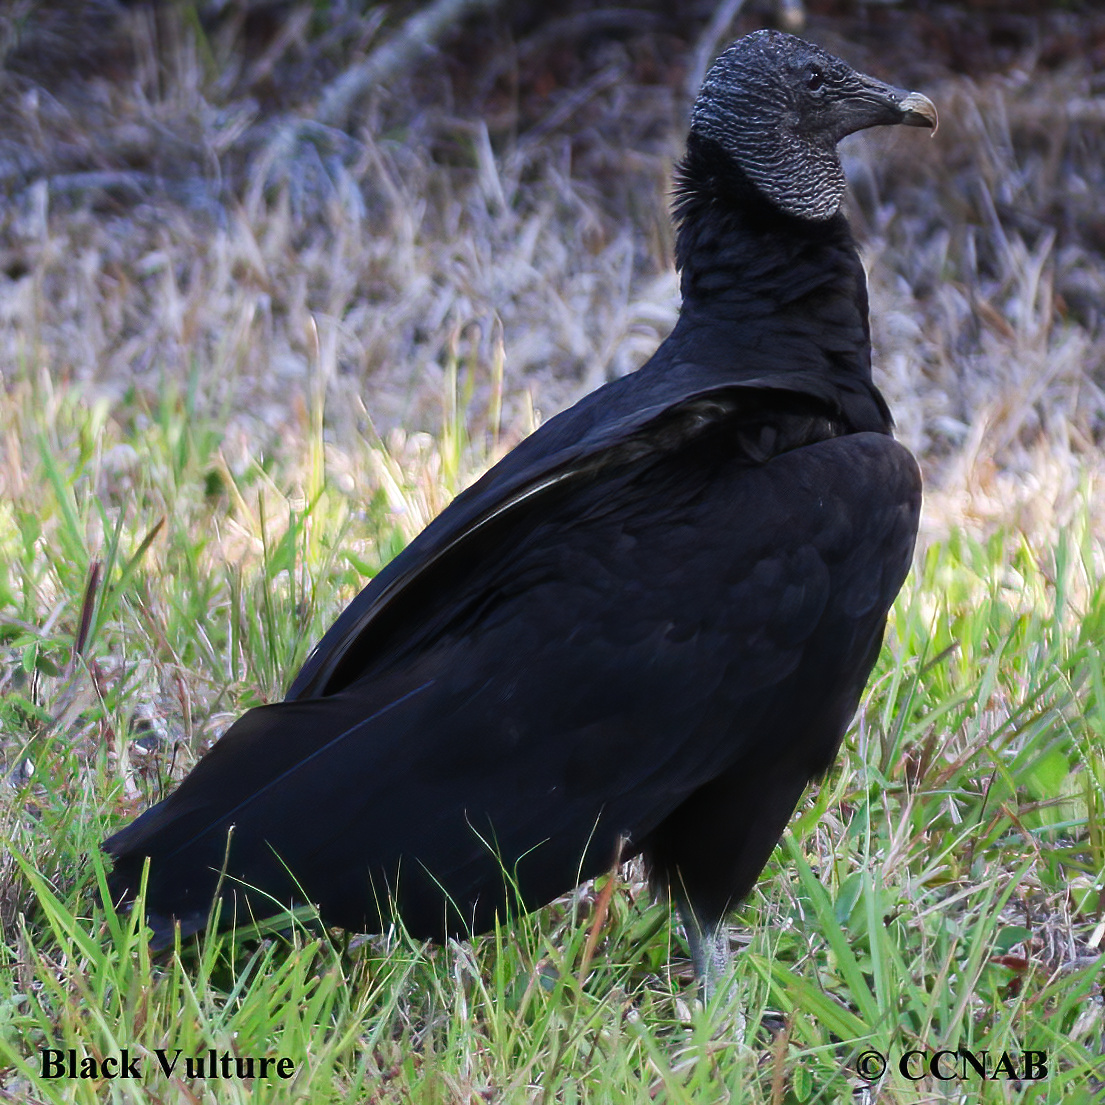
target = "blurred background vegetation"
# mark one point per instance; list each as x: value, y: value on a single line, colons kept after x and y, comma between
x: 236, y: 181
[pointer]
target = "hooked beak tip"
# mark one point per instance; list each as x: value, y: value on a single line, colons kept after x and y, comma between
x: 919, y: 111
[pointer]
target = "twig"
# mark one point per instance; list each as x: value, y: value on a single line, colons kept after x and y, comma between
x: 330, y: 119
x: 395, y: 54
x: 602, y: 908
x: 88, y: 606
x: 779, y: 1061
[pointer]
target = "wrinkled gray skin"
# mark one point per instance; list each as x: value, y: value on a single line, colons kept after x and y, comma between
x: 779, y: 106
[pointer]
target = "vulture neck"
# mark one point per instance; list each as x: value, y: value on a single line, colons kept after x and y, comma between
x: 769, y: 293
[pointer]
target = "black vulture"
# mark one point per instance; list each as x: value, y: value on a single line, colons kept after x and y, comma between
x: 645, y: 630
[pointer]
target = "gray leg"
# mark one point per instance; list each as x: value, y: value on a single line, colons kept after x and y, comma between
x: 709, y: 949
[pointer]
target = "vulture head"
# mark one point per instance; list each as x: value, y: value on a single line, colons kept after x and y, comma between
x: 778, y: 105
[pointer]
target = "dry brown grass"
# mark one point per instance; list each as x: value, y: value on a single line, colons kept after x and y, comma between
x: 159, y: 222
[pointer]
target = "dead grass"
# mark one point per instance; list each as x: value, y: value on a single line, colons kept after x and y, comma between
x: 411, y: 243
x: 154, y: 228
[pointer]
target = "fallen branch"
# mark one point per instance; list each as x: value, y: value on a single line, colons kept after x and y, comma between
x: 397, y: 53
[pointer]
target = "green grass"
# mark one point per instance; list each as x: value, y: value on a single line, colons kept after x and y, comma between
x: 942, y: 888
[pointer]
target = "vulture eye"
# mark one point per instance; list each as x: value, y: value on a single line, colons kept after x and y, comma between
x: 814, y: 79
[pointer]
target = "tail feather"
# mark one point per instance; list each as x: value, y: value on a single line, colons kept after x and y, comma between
x: 210, y: 838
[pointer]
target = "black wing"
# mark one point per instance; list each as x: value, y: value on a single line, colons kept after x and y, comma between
x: 651, y: 410
x: 566, y: 671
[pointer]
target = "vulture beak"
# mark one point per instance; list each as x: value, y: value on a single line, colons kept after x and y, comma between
x: 919, y: 111
x: 866, y: 102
